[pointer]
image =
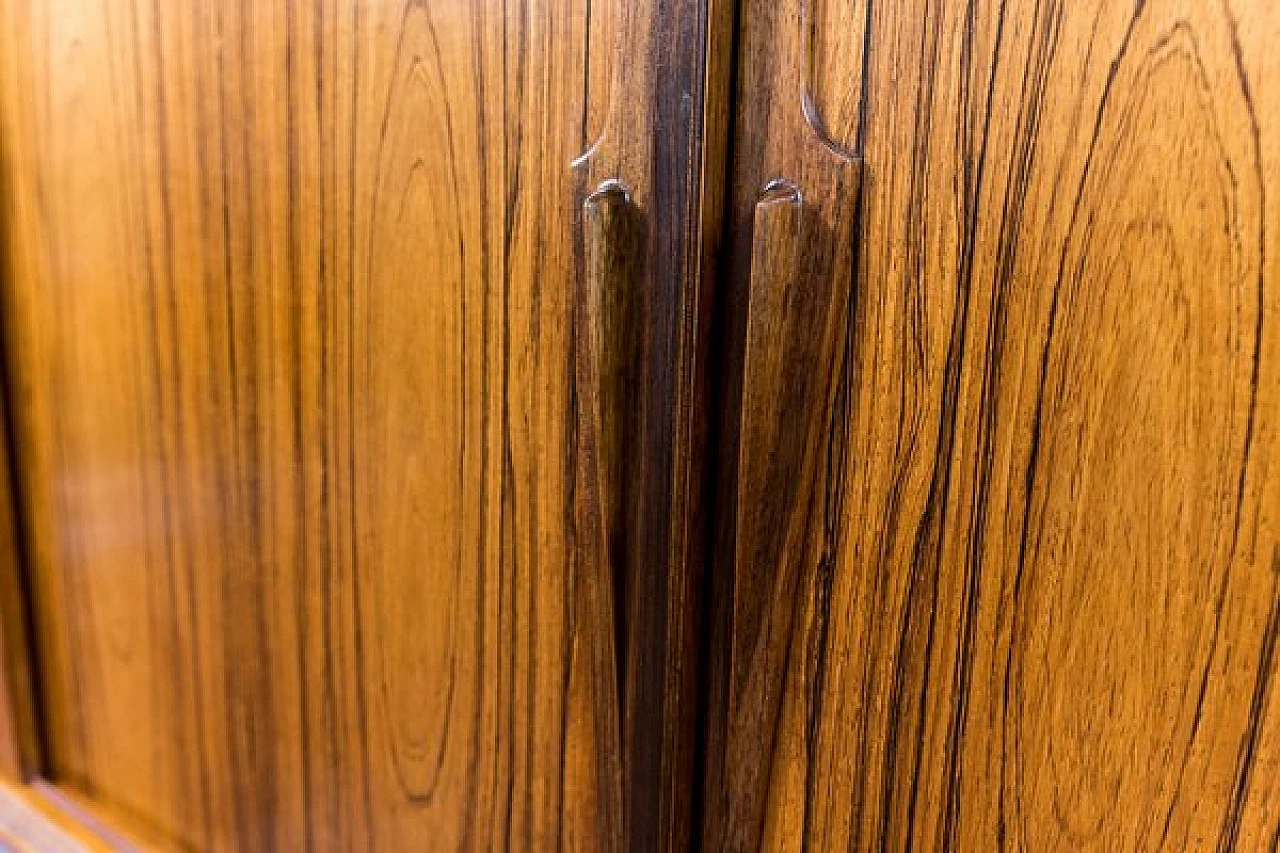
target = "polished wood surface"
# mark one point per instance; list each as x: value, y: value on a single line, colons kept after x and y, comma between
x: 357, y: 354
x: 1051, y: 614
x: 291, y: 315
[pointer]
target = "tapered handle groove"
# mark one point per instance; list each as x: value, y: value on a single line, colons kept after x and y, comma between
x: 788, y: 472
x: 795, y: 332
x: 605, y: 361
x: 607, y: 334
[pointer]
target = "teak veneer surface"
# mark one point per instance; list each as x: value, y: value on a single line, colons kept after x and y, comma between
x: 359, y: 421
x: 290, y: 313
x: 1045, y: 608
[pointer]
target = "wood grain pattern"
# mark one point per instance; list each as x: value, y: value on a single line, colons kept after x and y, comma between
x: 292, y: 315
x: 1052, y: 614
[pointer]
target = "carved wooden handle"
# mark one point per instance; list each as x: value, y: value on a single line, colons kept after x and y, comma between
x: 794, y: 342
x: 781, y: 366
x: 604, y: 361
x: 606, y: 352
x: 608, y: 356
x: 789, y: 470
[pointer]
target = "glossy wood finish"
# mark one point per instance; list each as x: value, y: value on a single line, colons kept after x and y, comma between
x: 291, y: 314
x: 1051, y: 614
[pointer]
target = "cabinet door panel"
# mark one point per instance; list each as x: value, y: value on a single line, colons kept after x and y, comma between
x: 1046, y: 609
x: 291, y: 322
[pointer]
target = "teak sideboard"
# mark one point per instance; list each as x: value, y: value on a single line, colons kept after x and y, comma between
x: 640, y: 425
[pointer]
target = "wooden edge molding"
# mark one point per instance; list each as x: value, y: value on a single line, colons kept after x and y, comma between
x: 103, y: 824
x: 27, y: 824
x: 44, y: 818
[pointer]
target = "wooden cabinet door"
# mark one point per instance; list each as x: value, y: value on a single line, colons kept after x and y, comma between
x: 343, y: 533
x: 1018, y: 586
